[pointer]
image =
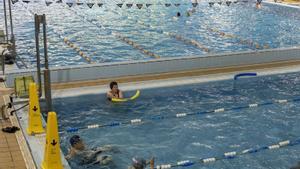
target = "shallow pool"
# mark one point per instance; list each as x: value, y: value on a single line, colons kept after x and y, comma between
x: 219, y: 29
x: 193, y: 137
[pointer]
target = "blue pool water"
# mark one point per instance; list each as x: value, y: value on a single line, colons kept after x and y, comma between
x: 266, y: 27
x: 193, y: 137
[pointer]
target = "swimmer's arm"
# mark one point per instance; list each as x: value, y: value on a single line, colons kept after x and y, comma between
x: 103, y: 149
x: 150, y: 161
x: 109, y: 95
x: 71, y: 154
x: 120, y: 94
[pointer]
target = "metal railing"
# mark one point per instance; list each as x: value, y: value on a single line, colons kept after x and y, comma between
x: 41, y: 19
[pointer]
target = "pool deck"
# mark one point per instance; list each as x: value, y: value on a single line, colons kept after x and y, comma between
x: 10, y: 152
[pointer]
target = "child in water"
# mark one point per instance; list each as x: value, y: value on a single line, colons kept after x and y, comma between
x: 115, y: 92
x: 85, y: 156
x: 258, y: 4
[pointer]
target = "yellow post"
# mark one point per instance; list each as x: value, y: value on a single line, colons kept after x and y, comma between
x: 52, y: 158
x: 34, y: 119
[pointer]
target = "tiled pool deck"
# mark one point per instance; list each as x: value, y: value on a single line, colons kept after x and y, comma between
x: 10, y: 153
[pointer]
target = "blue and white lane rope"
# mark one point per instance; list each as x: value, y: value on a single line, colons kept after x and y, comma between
x: 178, y: 115
x: 229, y: 155
x: 120, y: 37
x: 67, y: 41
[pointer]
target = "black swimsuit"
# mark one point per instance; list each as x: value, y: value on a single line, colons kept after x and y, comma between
x: 117, y: 94
x: 114, y: 95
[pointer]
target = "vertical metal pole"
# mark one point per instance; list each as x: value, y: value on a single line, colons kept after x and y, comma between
x: 5, y: 19
x: 12, y: 31
x: 38, y: 60
x: 47, y: 85
x: 47, y: 77
x: 45, y: 42
x: 3, y: 64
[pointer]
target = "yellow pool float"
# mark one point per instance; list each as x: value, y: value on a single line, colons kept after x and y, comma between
x: 137, y: 94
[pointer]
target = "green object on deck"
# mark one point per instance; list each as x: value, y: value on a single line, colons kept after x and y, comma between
x: 22, y: 86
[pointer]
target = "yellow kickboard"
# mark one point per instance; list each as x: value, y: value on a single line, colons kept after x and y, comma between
x: 137, y: 94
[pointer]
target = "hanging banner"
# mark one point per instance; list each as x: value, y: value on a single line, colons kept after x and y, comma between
x: 48, y: 3
x: 228, y: 3
x: 195, y: 4
x: 129, y: 5
x: 70, y: 4
x: 120, y: 5
x: 139, y: 5
x: 14, y: 1
x: 90, y: 5
x: 26, y: 1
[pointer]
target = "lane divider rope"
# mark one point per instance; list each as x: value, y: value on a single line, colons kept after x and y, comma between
x: 179, y: 115
x: 230, y: 155
x: 185, y: 40
x: 67, y: 41
x: 242, y: 41
x: 120, y: 37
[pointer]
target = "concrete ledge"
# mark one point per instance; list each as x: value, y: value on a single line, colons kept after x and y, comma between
x: 196, y: 72
x: 161, y: 66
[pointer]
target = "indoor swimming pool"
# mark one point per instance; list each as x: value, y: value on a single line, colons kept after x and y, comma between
x: 113, y: 34
x: 202, y: 135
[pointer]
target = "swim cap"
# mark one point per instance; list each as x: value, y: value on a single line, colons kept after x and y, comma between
x: 74, y: 139
x: 139, y: 163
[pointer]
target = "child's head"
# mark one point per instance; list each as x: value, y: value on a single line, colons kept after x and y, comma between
x: 114, y: 86
x: 139, y: 163
x: 76, y: 142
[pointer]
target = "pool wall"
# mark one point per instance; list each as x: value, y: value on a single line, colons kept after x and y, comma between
x: 134, y: 68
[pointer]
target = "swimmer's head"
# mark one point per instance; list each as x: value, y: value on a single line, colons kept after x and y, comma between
x: 76, y: 142
x: 139, y: 163
x: 113, y: 86
x: 178, y: 14
x: 258, y: 5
